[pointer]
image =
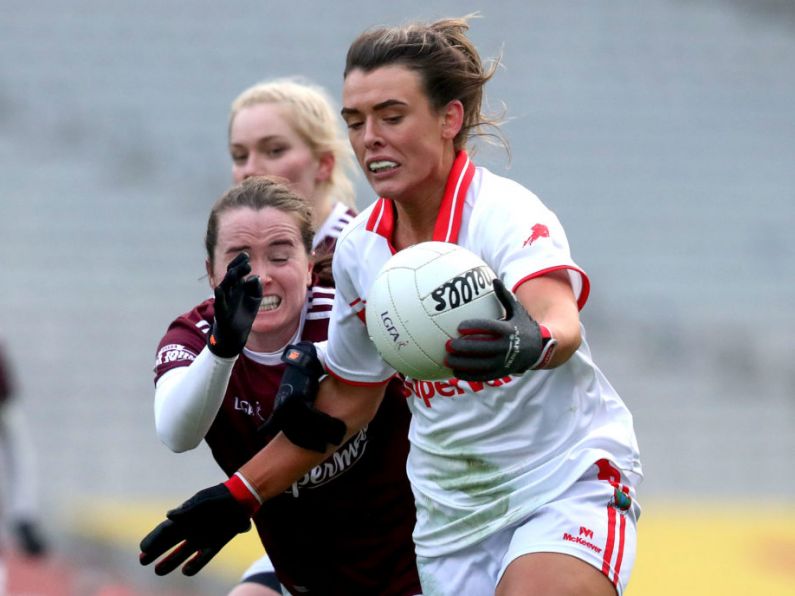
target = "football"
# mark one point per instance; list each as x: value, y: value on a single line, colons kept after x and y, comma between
x: 418, y: 299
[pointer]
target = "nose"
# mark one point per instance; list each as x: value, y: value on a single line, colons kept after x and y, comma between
x: 372, y: 134
x: 261, y: 269
x: 249, y: 169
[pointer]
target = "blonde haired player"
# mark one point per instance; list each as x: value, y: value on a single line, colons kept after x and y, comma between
x: 287, y: 127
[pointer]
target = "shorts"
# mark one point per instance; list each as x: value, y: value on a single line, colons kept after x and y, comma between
x: 594, y: 520
x: 262, y: 572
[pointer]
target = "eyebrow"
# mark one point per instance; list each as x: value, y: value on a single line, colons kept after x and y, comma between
x: 379, y: 106
x: 266, y: 138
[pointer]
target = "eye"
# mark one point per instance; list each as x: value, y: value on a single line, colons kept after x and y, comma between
x: 238, y: 158
x: 274, y: 152
x: 393, y: 119
x: 354, y: 124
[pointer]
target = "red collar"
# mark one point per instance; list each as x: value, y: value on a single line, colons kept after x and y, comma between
x: 448, y: 220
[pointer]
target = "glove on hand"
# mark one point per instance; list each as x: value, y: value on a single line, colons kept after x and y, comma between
x: 293, y: 410
x: 489, y: 349
x: 237, y: 301
x: 29, y: 538
x: 201, y: 526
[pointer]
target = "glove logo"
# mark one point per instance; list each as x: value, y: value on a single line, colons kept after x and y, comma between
x: 538, y: 231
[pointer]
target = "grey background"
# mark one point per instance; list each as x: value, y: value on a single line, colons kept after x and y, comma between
x: 662, y: 133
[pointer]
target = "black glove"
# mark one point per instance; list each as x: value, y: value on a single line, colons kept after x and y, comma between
x: 237, y: 301
x: 29, y: 537
x: 201, y: 526
x: 489, y: 349
x: 293, y: 409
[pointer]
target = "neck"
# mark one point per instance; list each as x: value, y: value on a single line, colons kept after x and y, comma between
x: 321, y: 209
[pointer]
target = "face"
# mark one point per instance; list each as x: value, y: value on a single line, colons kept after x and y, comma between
x: 272, y: 239
x: 404, y: 147
x: 262, y: 142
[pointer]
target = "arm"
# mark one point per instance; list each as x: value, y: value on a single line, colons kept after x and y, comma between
x: 280, y: 463
x: 17, y: 447
x: 201, y: 526
x: 187, y: 399
x: 550, y: 301
x: 488, y: 349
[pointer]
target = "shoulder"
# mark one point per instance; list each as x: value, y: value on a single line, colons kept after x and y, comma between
x: 489, y: 190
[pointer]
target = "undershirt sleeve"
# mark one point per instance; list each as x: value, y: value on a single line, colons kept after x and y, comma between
x: 187, y: 400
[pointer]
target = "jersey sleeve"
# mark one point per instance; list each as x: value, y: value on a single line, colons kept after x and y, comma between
x: 531, y: 240
x: 349, y: 353
x: 181, y: 344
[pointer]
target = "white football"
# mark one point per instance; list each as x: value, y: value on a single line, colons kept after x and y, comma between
x: 417, y: 301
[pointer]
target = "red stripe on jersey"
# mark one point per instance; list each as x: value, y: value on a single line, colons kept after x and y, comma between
x: 584, y: 291
x: 611, y: 536
x: 448, y: 221
x: 382, y: 220
x: 359, y: 383
x: 622, y: 521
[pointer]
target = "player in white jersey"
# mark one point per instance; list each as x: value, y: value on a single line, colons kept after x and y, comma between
x: 524, y: 466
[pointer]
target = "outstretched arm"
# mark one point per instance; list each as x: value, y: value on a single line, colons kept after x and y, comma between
x: 281, y: 462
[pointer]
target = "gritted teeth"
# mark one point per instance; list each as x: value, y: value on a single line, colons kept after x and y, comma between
x: 378, y: 166
x: 270, y: 302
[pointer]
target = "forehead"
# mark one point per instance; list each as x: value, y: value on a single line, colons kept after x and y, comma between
x: 262, y: 119
x: 251, y: 226
x: 369, y: 89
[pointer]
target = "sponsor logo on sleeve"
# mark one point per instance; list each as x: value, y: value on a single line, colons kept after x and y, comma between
x: 174, y: 353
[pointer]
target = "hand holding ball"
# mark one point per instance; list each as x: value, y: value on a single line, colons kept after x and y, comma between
x: 417, y: 301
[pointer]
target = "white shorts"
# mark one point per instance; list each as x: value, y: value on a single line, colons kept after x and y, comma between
x: 595, y: 520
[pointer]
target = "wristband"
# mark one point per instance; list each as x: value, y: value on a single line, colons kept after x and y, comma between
x: 548, y: 345
x: 243, y: 493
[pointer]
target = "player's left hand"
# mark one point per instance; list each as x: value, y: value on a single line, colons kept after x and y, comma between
x: 293, y: 409
x: 489, y: 349
x: 199, y: 529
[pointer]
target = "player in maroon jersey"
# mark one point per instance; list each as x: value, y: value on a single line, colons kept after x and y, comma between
x: 18, y: 484
x: 345, y: 527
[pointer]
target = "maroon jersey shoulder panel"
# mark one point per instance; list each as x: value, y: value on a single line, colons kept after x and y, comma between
x: 329, y: 242
x: 184, y: 339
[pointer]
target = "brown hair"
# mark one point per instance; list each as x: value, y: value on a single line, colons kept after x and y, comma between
x: 259, y: 192
x: 447, y: 61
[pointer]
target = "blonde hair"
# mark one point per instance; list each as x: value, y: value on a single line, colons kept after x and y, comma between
x: 312, y: 115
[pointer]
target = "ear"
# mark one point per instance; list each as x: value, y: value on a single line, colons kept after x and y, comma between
x: 310, y: 265
x: 452, y: 119
x: 209, y: 268
x: 326, y: 163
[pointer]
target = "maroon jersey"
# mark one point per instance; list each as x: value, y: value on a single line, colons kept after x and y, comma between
x: 345, y: 527
x: 325, y: 240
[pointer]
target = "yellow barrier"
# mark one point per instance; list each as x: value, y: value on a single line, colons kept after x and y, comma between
x: 726, y: 549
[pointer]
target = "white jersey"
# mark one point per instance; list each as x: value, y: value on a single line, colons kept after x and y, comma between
x: 484, y: 455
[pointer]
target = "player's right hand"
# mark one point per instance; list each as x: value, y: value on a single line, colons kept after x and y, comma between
x: 199, y: 528
x: 237, y: 301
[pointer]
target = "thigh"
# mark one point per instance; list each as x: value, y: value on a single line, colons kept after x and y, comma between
x: 471, y: 571
x: 584, y: 542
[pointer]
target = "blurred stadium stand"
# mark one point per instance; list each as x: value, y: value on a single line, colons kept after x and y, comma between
x: 662, y: 133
